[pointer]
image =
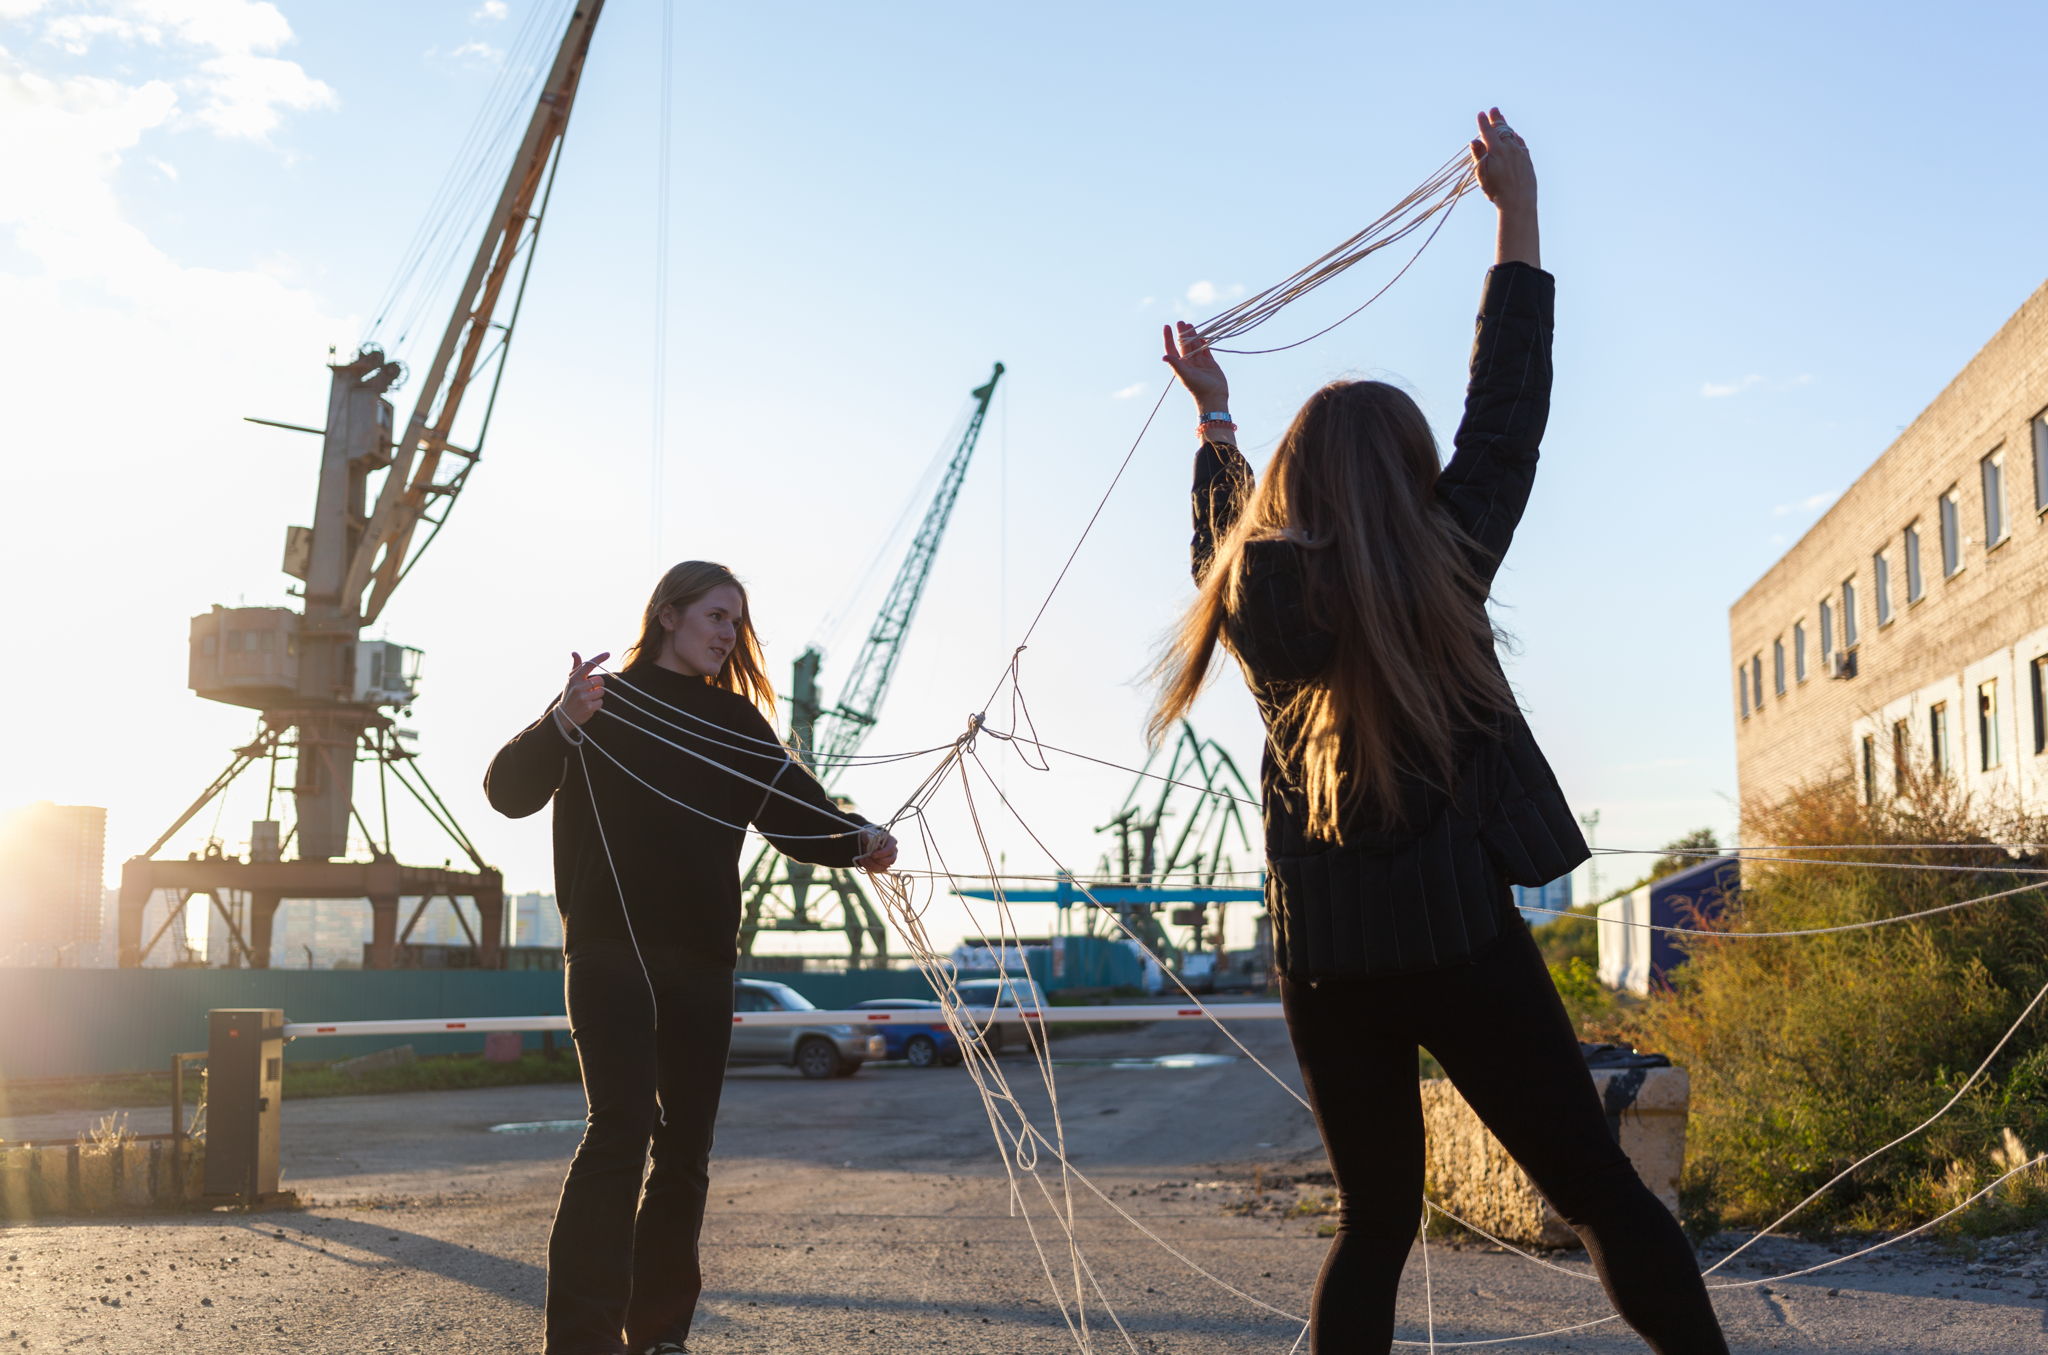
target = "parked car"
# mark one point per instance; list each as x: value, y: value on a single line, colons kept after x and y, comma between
x: 814, y: 1051
x: 921, y: 1046
x: 1010, y: 992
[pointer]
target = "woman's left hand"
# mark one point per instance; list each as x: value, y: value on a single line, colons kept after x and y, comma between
x: 1187, y: 352
x: 878, y: 850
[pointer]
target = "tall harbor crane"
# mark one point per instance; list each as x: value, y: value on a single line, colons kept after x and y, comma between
x: 322, y: 691
x: 778, y: 891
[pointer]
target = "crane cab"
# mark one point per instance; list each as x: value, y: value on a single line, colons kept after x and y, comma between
x: 249, y: 656
x: 246, y: 656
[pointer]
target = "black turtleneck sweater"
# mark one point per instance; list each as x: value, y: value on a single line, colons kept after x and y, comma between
x: 677, y: 867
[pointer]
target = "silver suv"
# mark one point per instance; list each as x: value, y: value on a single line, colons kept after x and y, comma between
x: 814, y: 1051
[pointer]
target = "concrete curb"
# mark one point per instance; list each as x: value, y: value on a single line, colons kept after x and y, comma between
x: 54, y: 1180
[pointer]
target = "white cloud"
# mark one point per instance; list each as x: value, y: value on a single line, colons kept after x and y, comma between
x: 75, y: 33
x: 1722, y: 390
x: 1131, y: 391
x: 240, y: 88
x: 490, y: 11
x: 165, y: 168
x: 141, y: 366
x: 1206, y: 293
x: 477, y: 54
x: 1812, y: 503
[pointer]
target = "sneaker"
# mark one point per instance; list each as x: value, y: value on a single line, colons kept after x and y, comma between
x: 667, y: 1348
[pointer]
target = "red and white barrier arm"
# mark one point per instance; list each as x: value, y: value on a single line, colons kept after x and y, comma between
x: 475, y: 1025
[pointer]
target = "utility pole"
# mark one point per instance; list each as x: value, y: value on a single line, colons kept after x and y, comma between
x: 1590, y: 821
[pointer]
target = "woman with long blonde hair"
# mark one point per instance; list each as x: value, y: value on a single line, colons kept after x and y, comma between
x: 1403, y: 792
x: 651, y: 804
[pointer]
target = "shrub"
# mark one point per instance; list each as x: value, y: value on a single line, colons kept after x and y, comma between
x: 1807, y: 1052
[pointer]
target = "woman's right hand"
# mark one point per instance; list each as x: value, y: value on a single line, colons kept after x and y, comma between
x: 1187, y: 352
x: 583, y: 697
x: 1507, y: 176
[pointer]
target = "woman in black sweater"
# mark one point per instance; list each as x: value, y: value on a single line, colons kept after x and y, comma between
x: 1403, y: 791
x: 651, y: 803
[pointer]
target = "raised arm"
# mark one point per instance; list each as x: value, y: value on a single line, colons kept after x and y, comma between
x: 530, y: 768
x: 1507, y: 399
x: 1223, y: 478
x: 798, y: 810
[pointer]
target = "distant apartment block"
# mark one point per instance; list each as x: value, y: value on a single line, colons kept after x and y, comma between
x: 1908, y: 629
x: 52, y: 860
x: 536, y: 921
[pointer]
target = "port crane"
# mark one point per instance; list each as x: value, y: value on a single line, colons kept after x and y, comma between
x: 782, y: 895
x: 325, y: 695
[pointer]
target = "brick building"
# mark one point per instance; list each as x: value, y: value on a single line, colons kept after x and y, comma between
x: 1909, y: 627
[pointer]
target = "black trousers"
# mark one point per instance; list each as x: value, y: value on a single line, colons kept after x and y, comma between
x: 622, y: 1258
x: 1500, y: 1032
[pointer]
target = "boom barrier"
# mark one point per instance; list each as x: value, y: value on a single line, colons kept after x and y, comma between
x: 245, y: 1063
x: 1050, y: 1016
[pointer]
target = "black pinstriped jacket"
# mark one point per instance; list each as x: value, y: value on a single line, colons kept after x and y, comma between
x: 1425, y: 895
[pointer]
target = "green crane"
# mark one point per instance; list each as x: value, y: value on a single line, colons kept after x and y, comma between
x: 779, y: 892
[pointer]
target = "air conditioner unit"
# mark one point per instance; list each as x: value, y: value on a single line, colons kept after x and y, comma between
x: 1842, y: 664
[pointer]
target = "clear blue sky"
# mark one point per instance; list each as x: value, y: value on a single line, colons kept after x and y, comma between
x: 1777, y: 232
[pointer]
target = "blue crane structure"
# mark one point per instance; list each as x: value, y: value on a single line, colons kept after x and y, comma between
x: 1186, y: 871
x: 782, y: 895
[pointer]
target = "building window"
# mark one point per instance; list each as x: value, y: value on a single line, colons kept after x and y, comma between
x: 1912, y: 548
x: 1992, y: 470
x: 1827, y: 632
x: 2041, y: 462
x: 1848, y: 613
x: 1881, y: 585
x: 1987, y: 725
x: 1778, y: 665
x: 1951, y: 536
x: 2037, y: 673
x: 1869, y: 769
x: 1902, y: 756
x: 1937, y: 738
x: 1756, y: 678
x: 1799, y: 650
x: 1742, y: 686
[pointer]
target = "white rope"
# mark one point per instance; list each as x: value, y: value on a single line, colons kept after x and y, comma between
x: 1748, y: 854
x: 636, y: 696
x: 767, y: 786
x: 1729, y: 935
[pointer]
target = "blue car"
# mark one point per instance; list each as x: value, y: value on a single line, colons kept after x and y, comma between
x: 921, y: 1046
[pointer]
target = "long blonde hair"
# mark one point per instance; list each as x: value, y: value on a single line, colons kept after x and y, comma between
x: 744, y: 672
x: 1388, y: 572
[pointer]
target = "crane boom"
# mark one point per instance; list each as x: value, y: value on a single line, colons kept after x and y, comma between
x: 777, y: 891
x: 846, y: 725
x: 413, y: 483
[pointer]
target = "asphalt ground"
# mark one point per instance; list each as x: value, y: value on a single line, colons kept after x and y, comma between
x: 872, y: 1216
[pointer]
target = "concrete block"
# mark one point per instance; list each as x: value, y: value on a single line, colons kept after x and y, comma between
x: 141, y: 1164
x: 95, y: 1191
x: 15, y: 1166
x: 49, y: 1179
x: 1468, y: 1172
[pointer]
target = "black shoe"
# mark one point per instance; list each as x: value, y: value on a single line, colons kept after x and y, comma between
x: 667, y: 1348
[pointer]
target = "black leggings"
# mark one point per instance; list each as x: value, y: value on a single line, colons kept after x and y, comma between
x: 1497, y: 1027
x: 621, y: 1257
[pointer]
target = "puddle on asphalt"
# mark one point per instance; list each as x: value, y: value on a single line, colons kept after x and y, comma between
x: 539, y: 1127
x: 1163, y: 1061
